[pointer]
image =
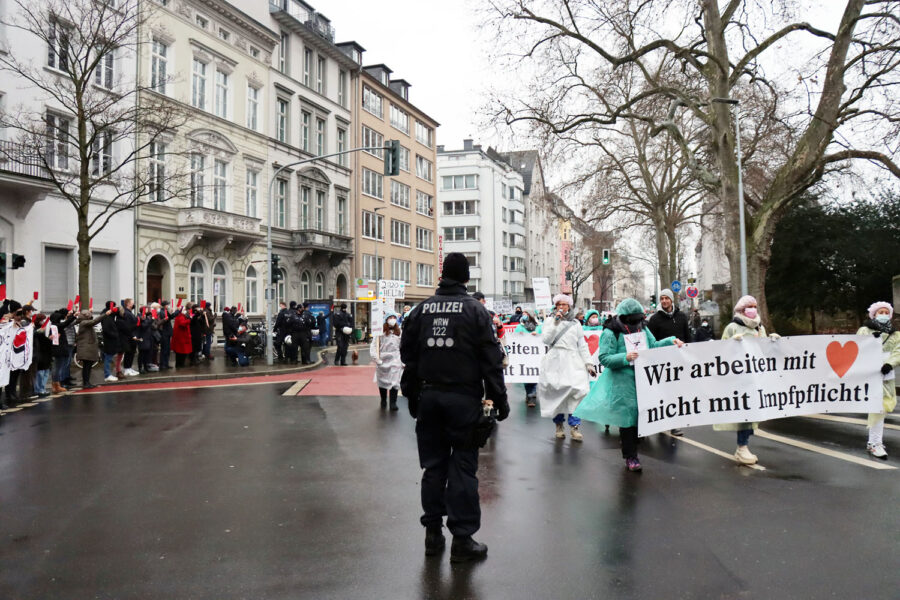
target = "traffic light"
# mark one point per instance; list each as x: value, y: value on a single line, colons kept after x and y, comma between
x: 392, y: 158
x: 2, y: 268
x: 274, y: 270
x: 652, y: 300
x: 18, y: 261
x: 606, y: 256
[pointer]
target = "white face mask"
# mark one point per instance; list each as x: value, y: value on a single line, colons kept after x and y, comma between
x: 593, y: 321
x: 883, y: 318
x: 392, y: 322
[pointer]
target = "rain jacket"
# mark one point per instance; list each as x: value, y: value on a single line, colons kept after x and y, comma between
x: 564, y: 377
x: 738, y: 326
x: 388, y: 368
x: 613, y: 401
x: 890, y: 347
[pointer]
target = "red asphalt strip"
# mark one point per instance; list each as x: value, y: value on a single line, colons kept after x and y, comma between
x: 330, y: 381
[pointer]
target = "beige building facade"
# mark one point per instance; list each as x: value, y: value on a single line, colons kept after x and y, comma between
x: 211, y: 60
x: 396, y: 217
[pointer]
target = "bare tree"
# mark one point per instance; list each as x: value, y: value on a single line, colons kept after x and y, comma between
x: 101, y: 140
x: 841, y: 105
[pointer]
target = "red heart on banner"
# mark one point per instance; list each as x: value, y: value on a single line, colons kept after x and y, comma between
x: 593, y: 342
x: 841, y: 358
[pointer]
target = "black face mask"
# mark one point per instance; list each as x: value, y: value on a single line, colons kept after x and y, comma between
x: 631, y: 319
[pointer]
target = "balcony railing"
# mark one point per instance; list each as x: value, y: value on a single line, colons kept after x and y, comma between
x: 313, y: 238
x: 207, y: 218
x: 19, y: 160
x: 311, y: 20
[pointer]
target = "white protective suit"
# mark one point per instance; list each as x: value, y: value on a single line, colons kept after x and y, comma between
x: 386, y: 356
x: 564, y: 377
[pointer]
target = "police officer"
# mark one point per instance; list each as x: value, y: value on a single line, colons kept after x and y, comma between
x: 342, y: 319
x: 301, y: 332
x: 453, y: 359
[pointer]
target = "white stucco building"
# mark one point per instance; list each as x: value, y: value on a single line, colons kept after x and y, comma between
x: 481, y: 213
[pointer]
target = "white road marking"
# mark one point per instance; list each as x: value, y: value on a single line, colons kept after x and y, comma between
x: 826, y: 451
x: 296, y: 388
x: 715, y: 451
x: 848, y: 420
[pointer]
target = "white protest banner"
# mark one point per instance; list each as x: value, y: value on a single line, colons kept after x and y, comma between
x: 756, y: 379
x: 503, y: 306
x: 379, y: 307
x: 391, y: 288
x: 542, y: 296
x: 489, y: 304
x: 525, y: 352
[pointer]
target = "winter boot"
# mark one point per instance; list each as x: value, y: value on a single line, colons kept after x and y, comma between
x: 57, y: 388
x: 575, y: 434
x: 530, y: 400
x: 465, y: 549
x: 394, y: 400
x: 434, y: 541
x: 744, y: 456
x: 560, y: 431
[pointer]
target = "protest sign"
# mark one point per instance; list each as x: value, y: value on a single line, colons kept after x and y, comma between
x: 756, y: 379
x: 503, y: 306
x: 525, y: 352
x: 541, y: 287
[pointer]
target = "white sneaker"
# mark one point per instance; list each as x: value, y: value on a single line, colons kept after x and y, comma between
x: 744, y: 456
x: 131, y: 373
x: 877, y: 450
x: 111, y: 379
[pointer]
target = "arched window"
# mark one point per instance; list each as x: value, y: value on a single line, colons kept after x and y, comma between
x: 304, y: 286
x: 197, y: 277
x: 280, y: 287
x: 252, y: 291
x: 219, y: 283
x: 320, y: 286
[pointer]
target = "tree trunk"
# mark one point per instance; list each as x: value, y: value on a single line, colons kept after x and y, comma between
x: 672, y: 242
x: 84, y: 259
x: 662, y: 256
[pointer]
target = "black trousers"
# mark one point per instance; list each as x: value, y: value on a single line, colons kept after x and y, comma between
x: 449, y: 483
x: 304, y: 340
x: 86, y: 366
x: 12, y: 388
x: 629, y: 438
x: 165, y: 348
x: 343, y: 342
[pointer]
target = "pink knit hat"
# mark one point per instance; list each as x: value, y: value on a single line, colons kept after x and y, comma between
x: 743, y: 303
x: 563, y: 298
x: 874, y: 308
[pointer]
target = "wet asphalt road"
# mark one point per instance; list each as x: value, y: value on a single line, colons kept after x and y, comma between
x: 243, y: 493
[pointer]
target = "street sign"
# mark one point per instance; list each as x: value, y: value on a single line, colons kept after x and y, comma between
x: 392, y: 288
x: 692, y: 292
x: 676, y: 286
x: 364, y: 291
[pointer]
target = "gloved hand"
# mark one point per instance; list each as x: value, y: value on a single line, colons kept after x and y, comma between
x: 738, y: 336
x: 502, y: 408
x: 774, y: 336
x: 886, y: 368
x: 413, y: 405
x: 592, y: 370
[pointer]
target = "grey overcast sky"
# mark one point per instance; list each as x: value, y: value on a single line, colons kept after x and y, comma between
x: 431, y: 44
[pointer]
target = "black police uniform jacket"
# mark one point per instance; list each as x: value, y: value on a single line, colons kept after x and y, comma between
x: 449, y: 340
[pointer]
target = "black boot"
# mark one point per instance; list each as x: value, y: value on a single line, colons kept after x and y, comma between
x: 394, y: 400
x: 434, y: 541
x: 465, y: 549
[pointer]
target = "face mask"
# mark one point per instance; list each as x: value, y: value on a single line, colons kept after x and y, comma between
x: 593, y: 321
x: 524, y: 318
x: 704, y: 324
x: 392, y: 322
x: 883, y: 318
x: 750, y: 313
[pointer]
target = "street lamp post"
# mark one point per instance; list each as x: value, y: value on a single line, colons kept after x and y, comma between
x: 742, y: 225
x: 375, y: 243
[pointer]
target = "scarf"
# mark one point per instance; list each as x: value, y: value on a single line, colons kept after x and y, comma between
x: 874, y: 325
x: 529, y: 325
x: 747, y: 322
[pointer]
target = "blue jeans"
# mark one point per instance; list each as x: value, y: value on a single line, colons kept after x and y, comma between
x: 743, y: 436
x: 60, y: 365
x: 573, y: 420
x: 109, y: 360
x: 40, y: 381
x: 238, y: 355
x: 207, y: 345
x: 530, y: 389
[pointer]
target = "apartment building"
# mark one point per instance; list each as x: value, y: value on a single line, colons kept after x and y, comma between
x: 482, y: 215
x: 209, y: 58
x: 396, y: 217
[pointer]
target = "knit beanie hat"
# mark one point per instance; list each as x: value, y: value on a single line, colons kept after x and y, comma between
x: 874, y: 308
x: 456, y: 267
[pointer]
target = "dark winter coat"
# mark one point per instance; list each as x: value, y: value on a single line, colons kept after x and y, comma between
x: 663, y: 325
x: 110, y: 334
x: 229, y: 325
x: 61, y: 350
x: 704, y: 334
x: 342, y: 319
x: 43, y: 351
x: 127, y: 323
x: 144, y: 331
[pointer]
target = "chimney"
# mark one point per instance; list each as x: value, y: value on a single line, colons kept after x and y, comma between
x: 467, y: 144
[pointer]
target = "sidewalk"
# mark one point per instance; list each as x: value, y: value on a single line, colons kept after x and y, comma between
x: 219, y: 368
